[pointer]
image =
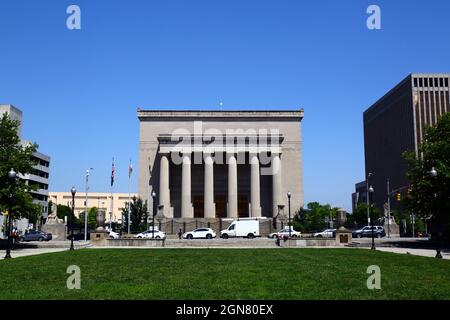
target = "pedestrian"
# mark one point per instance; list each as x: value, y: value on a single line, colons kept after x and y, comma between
x: 180, y: 233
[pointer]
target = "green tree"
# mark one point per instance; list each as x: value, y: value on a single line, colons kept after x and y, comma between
x: 314, y: 217
x: 14, y: 155
x: 430, y: 195
x: 359, y: 215
x: 92, y: 218
x: 138, y: 215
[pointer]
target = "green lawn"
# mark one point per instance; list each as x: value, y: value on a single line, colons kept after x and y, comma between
x: 224, y: 274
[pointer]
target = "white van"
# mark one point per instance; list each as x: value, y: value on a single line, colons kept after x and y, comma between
x: 248, y: 228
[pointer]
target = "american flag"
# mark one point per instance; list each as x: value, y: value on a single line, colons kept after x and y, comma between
x: 112, y: 173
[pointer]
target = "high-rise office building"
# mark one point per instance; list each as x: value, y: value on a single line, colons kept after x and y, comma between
x: 396, y: 123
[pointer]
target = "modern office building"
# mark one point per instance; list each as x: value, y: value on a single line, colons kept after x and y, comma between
x: 100, y: 200
x: 396, y: 123
x: 39, y: 176
x: 221, y: 164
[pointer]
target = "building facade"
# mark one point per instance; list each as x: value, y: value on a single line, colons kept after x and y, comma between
x: 220, y: 164
x: 100, y: 200
x: 396, y: 123
x: 39, y: 176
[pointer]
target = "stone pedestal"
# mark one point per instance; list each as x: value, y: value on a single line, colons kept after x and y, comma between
x: 343, y: 236
x: 58, y: 231
x: 99, y: 238
x: 395, y: 229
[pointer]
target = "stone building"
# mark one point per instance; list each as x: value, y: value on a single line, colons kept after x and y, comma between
x: 210, y: 165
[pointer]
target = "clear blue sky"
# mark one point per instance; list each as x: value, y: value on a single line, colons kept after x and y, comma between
x: 79, y: 89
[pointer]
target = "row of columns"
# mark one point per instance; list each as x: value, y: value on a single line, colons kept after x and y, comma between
x: 187, y: 210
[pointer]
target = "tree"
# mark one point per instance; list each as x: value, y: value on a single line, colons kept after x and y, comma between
x: 92, y: 218
x: 315, y: 217
x: 138, y: 215
x: 359, y: 215
x: 430, y: 195
x: 14, y: 155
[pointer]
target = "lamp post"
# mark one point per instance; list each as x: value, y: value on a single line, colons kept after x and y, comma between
x: 73, y: 191
x: 371, y: 220
x: 12, y: 176
x: 154, y: 210
x: 433, y: 173
x: 86, y: 205
x: 367, y: 197
x: 289, y: 205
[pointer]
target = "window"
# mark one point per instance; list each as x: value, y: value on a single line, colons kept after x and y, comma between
x: 231, y: 227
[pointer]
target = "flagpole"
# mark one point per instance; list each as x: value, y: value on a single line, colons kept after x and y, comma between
x: 129, y: 198
x: 111, y: 202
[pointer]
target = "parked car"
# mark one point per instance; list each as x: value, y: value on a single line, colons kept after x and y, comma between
x: 200, y: 233
x: 327, y: 233
x: 149, y: 234
x: 113, y: 235
x: 285, y: 233
x: 35, y: 235
x: 367, y: 232
x: 245, y: 227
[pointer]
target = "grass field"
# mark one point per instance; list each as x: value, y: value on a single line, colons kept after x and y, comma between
x: 224, y: 274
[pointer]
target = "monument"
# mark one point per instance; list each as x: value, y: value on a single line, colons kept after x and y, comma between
x: 390, y: 226
x: 100, y: 234
x: 55, y: 226
x: 343, y: 235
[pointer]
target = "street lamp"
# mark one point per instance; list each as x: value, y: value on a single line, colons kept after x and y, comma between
x: 433, y: 173
x: 154, y: 210
x: 371, y: 191
x: 73, y: 191
x: 289, y: 204
x: 12, y: 176
x: 367, y: 197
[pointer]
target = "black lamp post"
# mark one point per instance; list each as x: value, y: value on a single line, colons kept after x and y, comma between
x: 433, y: 173
x: 73, y: 191
x: 154, y: 212
x: 371, y: 219
x: 289, y: 205
x: 12, y: 176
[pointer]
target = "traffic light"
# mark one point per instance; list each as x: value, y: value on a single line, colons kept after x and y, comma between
x: 399, y: 196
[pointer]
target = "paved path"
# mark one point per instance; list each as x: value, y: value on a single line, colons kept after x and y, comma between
x: 417, y: 252
x: 17, y: 253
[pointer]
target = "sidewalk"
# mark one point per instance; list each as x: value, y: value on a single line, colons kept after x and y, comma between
x: 17, y: 253
x: 416, y: 252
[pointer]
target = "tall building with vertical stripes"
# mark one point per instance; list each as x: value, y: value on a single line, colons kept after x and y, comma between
x: 396, y: 123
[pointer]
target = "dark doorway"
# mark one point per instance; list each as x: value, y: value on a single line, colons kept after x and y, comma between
x: 199, y: 208
x: 221, y: 206
x: 242, y: 206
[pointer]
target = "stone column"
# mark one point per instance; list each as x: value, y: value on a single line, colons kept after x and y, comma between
x: 164, y: 191
x: 276, y: 183
x: 209, y: 206
x: 186, y: 204
x: 255, y: 187
x: 232, y: 186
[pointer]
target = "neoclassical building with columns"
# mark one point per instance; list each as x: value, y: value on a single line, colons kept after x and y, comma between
x: 220, y: 164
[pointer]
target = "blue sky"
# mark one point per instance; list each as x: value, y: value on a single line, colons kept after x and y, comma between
x: 79, y: 89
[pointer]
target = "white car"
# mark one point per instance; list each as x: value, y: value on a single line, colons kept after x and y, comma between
x: 328, y: 233
x: 200, y: 233
x: 113, y: 235
x: 285, y: 233
x: 149, y: 234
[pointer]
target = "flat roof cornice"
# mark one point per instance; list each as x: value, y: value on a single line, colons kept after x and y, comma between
x: 257, y: 114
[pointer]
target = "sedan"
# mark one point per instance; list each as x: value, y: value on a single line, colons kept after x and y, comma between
x: 200, y: 233
x: 327, y: 233
x: 149, y: 234
x: 35, y: 235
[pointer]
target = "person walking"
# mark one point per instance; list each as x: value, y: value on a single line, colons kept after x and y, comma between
x: 180, y: 233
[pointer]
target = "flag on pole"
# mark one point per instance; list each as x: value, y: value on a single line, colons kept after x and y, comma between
x: 130, y: 170
x: 112, y: 173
